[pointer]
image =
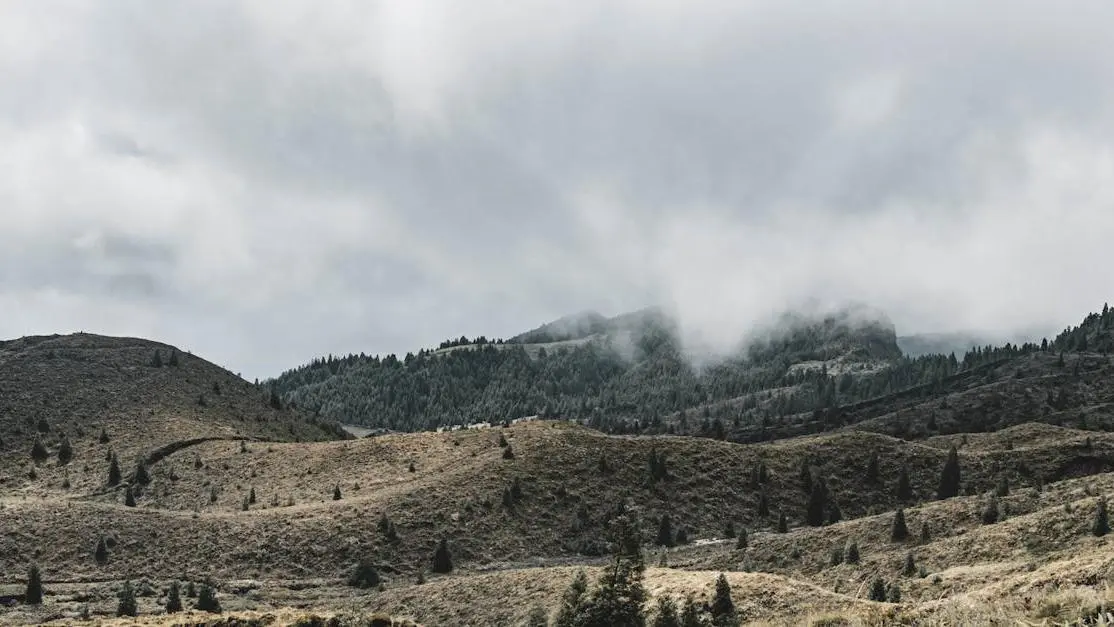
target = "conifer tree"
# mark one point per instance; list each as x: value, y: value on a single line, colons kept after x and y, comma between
x: 904, y: 490
x: 806, y: 477
x: 782, y: 523
x: 910, y: 567
x: 156, y: 361
x: 682, y: 536
x: 763, y: 505
x: 925, y: 535
x: 619, y: 595
x: 251, y: 496
x: 723, y: 607
x: 1003, y: 487
x: 872, y: 468
x: 899, y: 532
x: 729, y: 531
x: 691, y: 615
x: 127, y: 605
x: 207, y: 600
x: 65, y: 451
x: 878, y: 590
x: 665, y: 613
x: 990, y: 514
x: 571, y: 601
x: 104, y: 436
x: 665, y: 531
x: 1101, y: 526
x: 173, y: 361
x: 893, y: 594
x: 336, y: 492
x: 442, y: 558
x: 741, y: 541
x: 173, y: 599
x: 142, y: 476
x: 852, y: 553
x: 38, y: 451
x: 129, y: 497
x: 817, y: 502
x: 100, y: 553
x: 34, y: 593
x: 508, y: 453
x: 949, y: 476
x: 113, y: 471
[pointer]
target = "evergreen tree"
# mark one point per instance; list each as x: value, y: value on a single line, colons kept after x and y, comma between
x: 723, y: 608
x: 503, y: 441
x: 910, y: 567
x: 508, y: 453
x: 852, y: 553
x: 251, y: 496
x: 173, y: 361
x: 364, y: 576
x: 665, y: 531
x: 142, y: 477
x: 156, y: 361
x: 835, y: 514
x: 1101, y: 526
x: 872, y: 468
x: 104, y: 436
x: 763, y: 505
x: 129, y: 497
x: 127, y: 605
x: 100, y: 553
x: 817, y: 503
x: 806, y: 477
x: 38, y: 451
x: 113, y: 471
x: 893, y: 594
x: 571, y: 601
x: 336, y: 492
x: 782, y: 523
x: 442, y: 558
x: 682, y: 536
x: 926, y: 537
x: 34, y: 593
x: 899, y: 532
x: 207, y: 600
x: 691, y: 615
x: 729, y: 531
x: 990, y: 514
x: 949, y: 476
x: 537, y: 617
x: 173, y: 599
x: 665, y: 614
x: 741, y: 541
x: 904, y: 490
x: 619, y: 595
x: 878, y: 590
x: 65, y: 452
x: 1003, y: 487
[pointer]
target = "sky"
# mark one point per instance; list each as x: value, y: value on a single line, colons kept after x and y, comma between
x: 263, y: 182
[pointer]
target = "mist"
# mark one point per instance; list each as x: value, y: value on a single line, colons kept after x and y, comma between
x: 265, y: 182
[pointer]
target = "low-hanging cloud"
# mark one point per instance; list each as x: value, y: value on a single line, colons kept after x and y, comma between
x: 262, y: 182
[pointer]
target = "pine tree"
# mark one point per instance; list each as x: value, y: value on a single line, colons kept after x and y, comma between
x: 899, y: 532
x: 104, y: 436
x: 100, y: 553
x: 129, y: 497
x: 537, y: 617
x: 38, y: 451
x: 173, y: 361
x: 65, y: 452
x: 34, y: 593
x: 852, y: 553
x: 336, y: 492
x: 741, y: 541
x: 723, y: 608
x: 508, y: 453
x: 878, y: 590
x: 910, y: 567
x: 173, y: 599
x: 113, y: 471
x: 990, y: 514
x: 872, y: 468
x: 156, y: 361
x: 682, y: 536
x: 503, y: 441
x: 571, y: 601
x: 729, y: 531
x: 364, y: 576
x: 782, y: 523
x: 1101, y: 526
x: 763, y: 505
x: 817, y: 503
x: 665, y: 532
x: 1003, y: 487
x: 926, y: 537
x: 665, y: 614
x: 251, y: 496
x: 127, y: 605
x: 142, y: 477
x: 207, y: 600
x: 893, y: 594
x: 442, y: 558
x: 949, y: 476
x: 619, y: 595
x: 904, y: 490
x: 691, y: 614
x: 806, y: 477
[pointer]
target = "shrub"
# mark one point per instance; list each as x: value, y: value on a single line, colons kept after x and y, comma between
x: 990, y: 514
x: 65, y: 452
x: 38, y: 451
x: 508, y: 453
x: 364, y: 576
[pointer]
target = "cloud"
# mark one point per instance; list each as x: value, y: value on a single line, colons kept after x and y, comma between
x: 262, y: 182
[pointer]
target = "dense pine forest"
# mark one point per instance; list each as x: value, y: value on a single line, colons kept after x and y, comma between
x: 631, y: 374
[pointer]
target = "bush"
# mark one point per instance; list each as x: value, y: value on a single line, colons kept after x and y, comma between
x: 508, y: 453
x: 65, y: 452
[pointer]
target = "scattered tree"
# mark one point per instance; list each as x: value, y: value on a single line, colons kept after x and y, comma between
x: 899, y: 532
x: 782, y: 523
x: 904, y: 489
x: 926, y: 537
x: 852, y: 555
x: 104, y: 436
x: 129, y: 497
x: 38, y: 451
x: 442, y: 558
x: 34, y: 593
x: 949, y: 476
x: 156, y: 361
x: 142, y: 476
x: 665, y: 613
x: 65, y: 452
x: 817, y: 503
x: 173, y: 361
x: 878, y: 590
x: 173, y: 599
x: 207, y: 600
x: 571, y: 601
x: 910, y: 567
x: 763, y: 504
x: 127, y: 605
x: 508, y: 453
x: 336, y: 492
x: 1003, y: 487
x: 990, y: 514
x: 251, y: 496
x: 1101, y: 526
x: 741, y: 541
x: 100, y: 553
x: 872, y: 468
x: 113, y: 471
x: 665, y: 531
x: 723, y: 608
x: 364, y: 576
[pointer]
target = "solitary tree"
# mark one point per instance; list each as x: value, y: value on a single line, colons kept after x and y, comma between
x: 336, y: 492
x: 949, y: 476
x: 34, y: 593
x: 100, y: 553
x: 1101, y: 527
x: 207, y: 600
x: 619, y: 595
x: 129, y: 497
x: 113, y: 471
x: 65, y: 452
x: 899, y: 532
x: 442, y: 558
x: 127, y: 605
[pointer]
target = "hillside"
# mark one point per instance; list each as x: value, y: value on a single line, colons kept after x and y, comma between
x: 74, y: 388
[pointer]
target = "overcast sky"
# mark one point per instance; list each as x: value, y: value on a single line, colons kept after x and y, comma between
x: 264, y: 182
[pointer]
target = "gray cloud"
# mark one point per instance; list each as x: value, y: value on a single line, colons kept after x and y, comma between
x: 262, y: 182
